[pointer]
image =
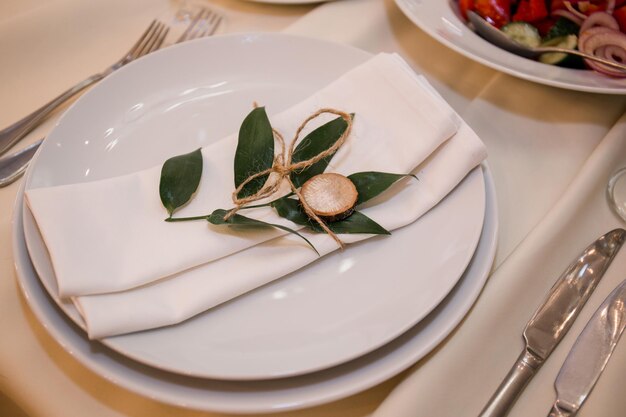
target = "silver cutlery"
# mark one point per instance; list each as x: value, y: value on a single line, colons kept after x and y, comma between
x: 498, y: 38
x: 554, y: 318
x: 204, y: 23
x: 13, y: 166
x: 149, y: 41
x: 591, y: 352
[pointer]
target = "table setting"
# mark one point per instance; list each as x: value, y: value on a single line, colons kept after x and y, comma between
x: 143, y: 275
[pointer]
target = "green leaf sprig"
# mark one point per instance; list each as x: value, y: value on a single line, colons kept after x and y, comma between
x: 180, y: 177
x: 255, y: 151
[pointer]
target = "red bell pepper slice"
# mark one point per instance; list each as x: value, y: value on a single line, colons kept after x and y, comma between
x: 544, y: 26
x: 465, y: 6
x: 530, y: 11
x: 496, y: 12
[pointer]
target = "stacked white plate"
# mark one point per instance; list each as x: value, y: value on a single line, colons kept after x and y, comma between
x: 339, y: 326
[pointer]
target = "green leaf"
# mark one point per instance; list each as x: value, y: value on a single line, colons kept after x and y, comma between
x: 255, y: 151
x: 291, y: 209
x: 217, y: 218
x: 180, y: 176
x: 372, y: 183
x: 357, y: 222
x: 312, y: 145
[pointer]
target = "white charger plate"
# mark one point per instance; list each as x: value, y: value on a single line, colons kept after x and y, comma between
x: 272, y: 395
x: 441, y: 20
x: 334, y: 310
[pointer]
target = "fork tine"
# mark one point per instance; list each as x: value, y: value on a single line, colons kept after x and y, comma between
x: 204, y: 23
x: 211, y: 22
x: 189, y: 27
x: 141, y: 41
x: 215, y: 22
x: 199, y: 34
x: 160, y: 40
x: 157, y: 40
x: 151, y: 41
x: 201, y: 24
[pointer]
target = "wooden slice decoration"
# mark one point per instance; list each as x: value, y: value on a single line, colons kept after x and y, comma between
x: 331, y: 196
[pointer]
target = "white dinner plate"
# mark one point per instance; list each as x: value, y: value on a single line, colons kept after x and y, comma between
x: 334, y: 310
x: 441, y: 20
x: 272, y: 395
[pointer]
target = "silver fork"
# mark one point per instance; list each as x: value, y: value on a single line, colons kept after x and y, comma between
x: 150, y: 40
x: 204, y: 23
x: 13, y: 166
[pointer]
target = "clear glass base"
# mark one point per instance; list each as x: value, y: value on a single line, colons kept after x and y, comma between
x: 616, y: 193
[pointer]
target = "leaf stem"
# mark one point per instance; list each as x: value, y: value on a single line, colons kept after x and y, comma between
x: 186, y: 219
x: 256, y: 206
x: 267, y: 204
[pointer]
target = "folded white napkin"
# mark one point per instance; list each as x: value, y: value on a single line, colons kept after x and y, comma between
x: 128, y: 270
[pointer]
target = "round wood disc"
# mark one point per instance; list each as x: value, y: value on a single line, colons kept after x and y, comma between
x: 330, y: 195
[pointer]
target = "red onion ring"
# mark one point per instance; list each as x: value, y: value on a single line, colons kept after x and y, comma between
x: 584, y: 36
x: 601, y: 51
x: 602, y: 19
x: 567, y: 15
x: 603, y: 69
x: 608, y: 42
x: 575, y: 12
x: 614, y: 53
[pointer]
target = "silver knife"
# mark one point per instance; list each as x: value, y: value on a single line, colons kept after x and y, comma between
x: 554, y: 317
x: 590, y: 354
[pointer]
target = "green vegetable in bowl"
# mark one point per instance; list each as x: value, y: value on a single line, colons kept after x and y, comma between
x: 523, y: 33
x: 559, y: 58
x: 561, y: 28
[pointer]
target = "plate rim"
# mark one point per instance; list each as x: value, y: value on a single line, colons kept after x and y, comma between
x: 114, y: 342
x: 92, y: 354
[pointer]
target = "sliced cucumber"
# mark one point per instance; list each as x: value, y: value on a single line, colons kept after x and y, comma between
x: 559, y: 58
x: 562, y: 27
x: 522, y: 33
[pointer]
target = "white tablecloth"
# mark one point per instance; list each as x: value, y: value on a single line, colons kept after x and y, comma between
x: 550, y: 152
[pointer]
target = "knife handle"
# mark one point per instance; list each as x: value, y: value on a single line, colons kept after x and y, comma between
x: 513, y: 384
x: 557, y: 411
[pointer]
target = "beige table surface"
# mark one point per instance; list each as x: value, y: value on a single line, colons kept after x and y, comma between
x: 540, y: 140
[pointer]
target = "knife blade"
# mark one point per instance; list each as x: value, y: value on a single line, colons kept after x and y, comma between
x: 554, y: 318
x: 591, y: 352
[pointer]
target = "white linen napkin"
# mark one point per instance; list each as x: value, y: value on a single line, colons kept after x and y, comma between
x: 138, y: 263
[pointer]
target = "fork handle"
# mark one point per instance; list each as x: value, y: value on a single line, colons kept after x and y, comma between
x: 13, y: 166
x: 13, y: 133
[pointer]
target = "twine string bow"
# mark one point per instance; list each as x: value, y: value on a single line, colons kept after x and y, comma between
x: 283, y: 166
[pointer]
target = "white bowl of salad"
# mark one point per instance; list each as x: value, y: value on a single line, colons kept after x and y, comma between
x: 591, y: 25
x: 596, y: 27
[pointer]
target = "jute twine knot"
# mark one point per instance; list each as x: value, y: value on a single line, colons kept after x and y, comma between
x: 283, y: 166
